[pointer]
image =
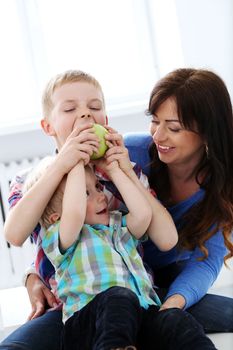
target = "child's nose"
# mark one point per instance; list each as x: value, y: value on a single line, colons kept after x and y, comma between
x: 85, y: 116
x: 88, y: 117
x: 101, y: 196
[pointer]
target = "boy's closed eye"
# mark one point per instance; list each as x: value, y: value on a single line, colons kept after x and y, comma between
x: 69, y: 110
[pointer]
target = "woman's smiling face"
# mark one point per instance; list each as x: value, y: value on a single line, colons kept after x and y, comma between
x: 175, y: 145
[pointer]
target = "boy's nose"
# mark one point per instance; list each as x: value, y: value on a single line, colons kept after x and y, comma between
x: 88, y: 117
x: 101, y: 196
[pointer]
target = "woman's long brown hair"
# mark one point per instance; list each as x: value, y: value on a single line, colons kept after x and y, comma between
x: 202, y: 101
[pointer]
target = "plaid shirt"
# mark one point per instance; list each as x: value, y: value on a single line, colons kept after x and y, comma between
x: 102, y: 257
x: 42, y: 265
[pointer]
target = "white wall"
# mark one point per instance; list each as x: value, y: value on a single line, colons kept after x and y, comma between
x: 206, y: 31
x: 197, y: 33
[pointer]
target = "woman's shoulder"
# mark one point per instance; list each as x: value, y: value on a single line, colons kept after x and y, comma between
x: 137, y: 139
x: 138, y: 146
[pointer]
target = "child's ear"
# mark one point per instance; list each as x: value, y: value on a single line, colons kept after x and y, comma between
x: 47, y: 127
x: 106, y: 120
x: 54, y: 217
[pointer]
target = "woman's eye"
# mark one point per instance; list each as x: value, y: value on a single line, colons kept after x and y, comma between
x: 175, y: 129
x: 154, y: 121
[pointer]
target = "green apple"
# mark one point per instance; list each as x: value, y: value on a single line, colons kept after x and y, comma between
x: 100, y: 131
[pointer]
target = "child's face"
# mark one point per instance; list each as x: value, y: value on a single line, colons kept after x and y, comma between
x: 97, y: 203
x: 74, y: 104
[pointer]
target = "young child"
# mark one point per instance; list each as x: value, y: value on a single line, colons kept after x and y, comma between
x: 102, y: 282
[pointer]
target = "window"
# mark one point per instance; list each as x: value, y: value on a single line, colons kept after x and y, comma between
x: 110, y: 39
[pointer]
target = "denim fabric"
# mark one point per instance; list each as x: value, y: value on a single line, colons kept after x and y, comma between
x: 213, y: 312
x: 114, y: 319
x: 172, y: 329
x: 45, y: 332
x: 42, y: 333
x: 111, y: 320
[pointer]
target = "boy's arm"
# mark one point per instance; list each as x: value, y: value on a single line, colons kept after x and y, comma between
x: 25, y: 215
x: 139, y: 216
x: 73, y: 206
x: 161, y: 230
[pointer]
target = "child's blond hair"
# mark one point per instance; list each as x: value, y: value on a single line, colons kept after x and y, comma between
x: 55, y: 203
x: 69, y: 76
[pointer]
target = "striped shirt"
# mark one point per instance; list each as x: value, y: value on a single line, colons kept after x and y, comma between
x: 102, y: 257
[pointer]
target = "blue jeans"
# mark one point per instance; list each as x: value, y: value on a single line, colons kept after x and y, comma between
x: 45, y: 332
x: 111, y: 320
x: 115, y: 319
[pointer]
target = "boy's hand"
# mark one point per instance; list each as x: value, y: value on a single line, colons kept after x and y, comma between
x: 105, y: 165
x: 79, y: 145
x: 117, y: 150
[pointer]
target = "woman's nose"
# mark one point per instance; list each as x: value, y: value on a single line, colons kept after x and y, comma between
x: 159, y: 134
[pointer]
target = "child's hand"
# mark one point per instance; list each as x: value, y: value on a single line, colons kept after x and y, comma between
x: 79, y: 145
x: 117, y: 150
x: 106, y: 166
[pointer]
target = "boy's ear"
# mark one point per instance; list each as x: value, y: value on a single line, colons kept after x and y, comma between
x: 47, y: 127
x: 54, y: 217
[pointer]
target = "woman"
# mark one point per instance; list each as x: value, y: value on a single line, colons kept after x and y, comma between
x: 189, y: 160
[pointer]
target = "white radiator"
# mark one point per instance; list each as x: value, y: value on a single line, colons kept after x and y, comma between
x: 13, y: 260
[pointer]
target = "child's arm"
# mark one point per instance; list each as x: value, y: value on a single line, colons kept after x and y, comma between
x: 139, y: 217
x: 73, y: 206
x: 161, y: 230
x: 23, y: 218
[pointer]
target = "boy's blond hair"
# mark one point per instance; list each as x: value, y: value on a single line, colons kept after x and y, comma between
x: 55, y: 203
x: 69, y: 76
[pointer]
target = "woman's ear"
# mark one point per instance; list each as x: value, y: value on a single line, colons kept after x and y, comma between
x: 47, y: 127
x: 54, y: 217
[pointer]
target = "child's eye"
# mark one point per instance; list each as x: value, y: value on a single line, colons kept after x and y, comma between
x: 99, y: 187
x: 69, y: 110
x: 95, y: 108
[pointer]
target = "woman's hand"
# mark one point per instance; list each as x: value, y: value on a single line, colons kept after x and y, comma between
x: 40, y: 296
x: 175, y: 300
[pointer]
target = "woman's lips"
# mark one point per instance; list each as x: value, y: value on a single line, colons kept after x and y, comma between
x: 164, y: 149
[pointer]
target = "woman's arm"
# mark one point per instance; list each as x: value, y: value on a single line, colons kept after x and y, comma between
x: 197, y: 276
